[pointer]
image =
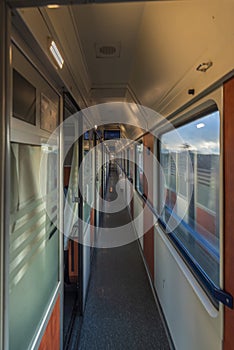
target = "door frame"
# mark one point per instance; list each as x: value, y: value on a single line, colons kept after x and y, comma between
x: 80, y: 204
x: 5, y: 107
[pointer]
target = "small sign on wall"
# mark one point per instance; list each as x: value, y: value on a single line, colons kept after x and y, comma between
x: 49, y: 114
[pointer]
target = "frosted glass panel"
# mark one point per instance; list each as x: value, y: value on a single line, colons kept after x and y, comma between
x: 34, y: 240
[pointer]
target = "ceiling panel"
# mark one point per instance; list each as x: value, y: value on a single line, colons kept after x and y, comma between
x: 160, y: 45
x: 171, y: 39
x: 115, y: 24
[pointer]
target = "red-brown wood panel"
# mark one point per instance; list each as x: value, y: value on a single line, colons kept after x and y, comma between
x: 229, y: 209
x: 67, y: 171
x: 73, y: 260
x: 148, y: 142
x: 51, y: 337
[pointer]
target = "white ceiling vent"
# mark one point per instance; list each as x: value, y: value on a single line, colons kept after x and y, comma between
x: 107, y: 51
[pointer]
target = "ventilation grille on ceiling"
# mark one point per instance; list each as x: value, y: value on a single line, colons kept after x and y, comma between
x: 107, y: 51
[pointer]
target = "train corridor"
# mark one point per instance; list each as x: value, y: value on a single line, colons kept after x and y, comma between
x: 120, y: 312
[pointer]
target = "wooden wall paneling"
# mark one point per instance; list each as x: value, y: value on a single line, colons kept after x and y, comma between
x: 229, y: 209
x: 148, y: 142
x: 67, y: 171
x: 73, y: 258
x: 51, y: 337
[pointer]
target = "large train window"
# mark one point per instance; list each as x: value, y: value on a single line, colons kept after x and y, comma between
x: 139, y: 167
x: 190, y: 160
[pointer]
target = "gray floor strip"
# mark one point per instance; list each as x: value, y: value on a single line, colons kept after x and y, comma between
x: 120, y: 311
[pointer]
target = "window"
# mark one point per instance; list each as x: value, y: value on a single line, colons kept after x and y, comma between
x: 190, y: 160
x: 86, y: 135
x: 111, y: 134
x: 24, y: 99
x: 139, y: 167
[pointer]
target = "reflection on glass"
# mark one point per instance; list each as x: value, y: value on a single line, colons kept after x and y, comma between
x: 34, y: 240
x: 71, y: 204
x: 88, y: 180
x: 190, y: 158
x: 139, y: 168
x: 99, y: 169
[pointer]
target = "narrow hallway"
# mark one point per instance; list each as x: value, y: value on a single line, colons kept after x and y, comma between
x: 120, y: 311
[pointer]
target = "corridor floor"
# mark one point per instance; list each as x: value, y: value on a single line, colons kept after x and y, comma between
x: 121, y: 312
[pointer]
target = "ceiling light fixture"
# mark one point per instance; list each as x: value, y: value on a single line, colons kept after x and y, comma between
x: 203, y: 67
x: 53, y: 6
x: 56, y: 54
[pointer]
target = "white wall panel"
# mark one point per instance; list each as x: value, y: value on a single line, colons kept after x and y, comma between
x: 193, y: 321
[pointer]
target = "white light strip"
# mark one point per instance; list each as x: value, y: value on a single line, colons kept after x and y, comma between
x: 56, y: 54
x: 53, y: 6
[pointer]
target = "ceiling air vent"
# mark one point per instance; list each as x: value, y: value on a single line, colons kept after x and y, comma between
x: 107, y: 51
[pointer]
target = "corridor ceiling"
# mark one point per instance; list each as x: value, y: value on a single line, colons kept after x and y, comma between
x: 141, y: 52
